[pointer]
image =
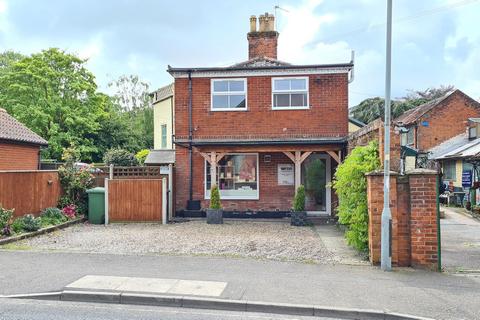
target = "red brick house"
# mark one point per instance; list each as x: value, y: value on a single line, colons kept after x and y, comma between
x: 420, y: 129
x: 260, y: 128
x: 19, y: 146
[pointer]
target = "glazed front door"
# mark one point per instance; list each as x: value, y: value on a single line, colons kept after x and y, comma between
x: 316, y: 178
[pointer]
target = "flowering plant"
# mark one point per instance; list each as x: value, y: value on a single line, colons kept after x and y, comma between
x: 70, y: 211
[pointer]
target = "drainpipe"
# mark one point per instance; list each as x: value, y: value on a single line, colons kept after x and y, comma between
x: 190, y: 136
x: 352, y: 74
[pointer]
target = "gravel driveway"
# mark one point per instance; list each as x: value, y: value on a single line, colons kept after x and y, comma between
x: 254, y: 239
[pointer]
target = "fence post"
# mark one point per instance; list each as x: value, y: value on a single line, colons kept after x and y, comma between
x: 110, y: 172
x: 170, y: 192
x: 106, y: 201
x: 164, y: 200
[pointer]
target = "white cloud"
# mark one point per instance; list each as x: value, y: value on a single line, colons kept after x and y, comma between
x: 300, y: 26
x: 92, y: 49
x: 3, y: 6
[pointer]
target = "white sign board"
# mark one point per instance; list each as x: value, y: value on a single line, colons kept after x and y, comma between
x: 286, y: 176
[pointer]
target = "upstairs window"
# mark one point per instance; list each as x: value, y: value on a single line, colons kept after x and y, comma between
x: 290, y: 93
x: 229, y: 94
x: 472, y: 132
x: 407, y: 138
x: 164, y: 136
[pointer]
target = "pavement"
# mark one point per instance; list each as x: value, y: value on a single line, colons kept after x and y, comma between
x: 460, y: 235
x: 11, y: 309
x: 420, y: 293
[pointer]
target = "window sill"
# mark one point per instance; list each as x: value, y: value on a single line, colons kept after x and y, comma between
x: 235, y: 198
x: 228, y: 109
x: 290, y: 108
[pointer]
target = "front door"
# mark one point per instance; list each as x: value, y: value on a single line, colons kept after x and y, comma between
x: 316, y: 177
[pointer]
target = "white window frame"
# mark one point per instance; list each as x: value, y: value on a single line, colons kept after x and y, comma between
x: 212, y: 81
x: 291, y: 91
x: 207, y: 192
x: 163, y: 146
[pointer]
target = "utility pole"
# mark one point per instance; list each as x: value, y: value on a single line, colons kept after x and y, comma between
x: 386, y: 252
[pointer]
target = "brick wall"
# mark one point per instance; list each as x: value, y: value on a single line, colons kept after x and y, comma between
x: 414, y: 218
x: 18, y: 156
x: 445, y: 121
x: 327, y: 116
x: 262, y: 44
x: 423, y: 219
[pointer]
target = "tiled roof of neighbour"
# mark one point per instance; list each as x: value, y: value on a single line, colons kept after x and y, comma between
x: 413, y: 115
x: 160, y: 157
x: 163, y: 93
x: 260, y: 62
x: 13, y: 130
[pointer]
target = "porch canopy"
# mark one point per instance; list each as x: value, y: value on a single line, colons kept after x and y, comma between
x: 296, y: 149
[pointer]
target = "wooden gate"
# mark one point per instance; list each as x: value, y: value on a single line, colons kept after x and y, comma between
x: 135, y: 200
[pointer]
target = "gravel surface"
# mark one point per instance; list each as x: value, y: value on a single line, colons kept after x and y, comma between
x: 254, y: 239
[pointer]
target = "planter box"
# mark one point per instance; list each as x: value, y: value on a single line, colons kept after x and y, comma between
x: 299, y: 218
x: 214, y: 216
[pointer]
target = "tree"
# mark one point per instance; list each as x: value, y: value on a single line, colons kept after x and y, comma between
x: 374, y: 108
x: 131, y: 95
x: 54, y: 94
x: 8, y: 59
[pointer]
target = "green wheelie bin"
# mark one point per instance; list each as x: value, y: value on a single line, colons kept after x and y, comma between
x: 96, y: 205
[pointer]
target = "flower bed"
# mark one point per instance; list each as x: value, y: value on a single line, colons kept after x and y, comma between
x: 50, y: 218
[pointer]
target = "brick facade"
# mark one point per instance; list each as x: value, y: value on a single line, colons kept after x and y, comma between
x: 262, y: 44
x: 327, y: 116
x: 445, y: 121
x: 414, y: 218
x: 15, y: 156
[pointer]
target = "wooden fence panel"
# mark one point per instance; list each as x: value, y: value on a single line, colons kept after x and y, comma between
x: 135, y: 200
x: 29, y: 191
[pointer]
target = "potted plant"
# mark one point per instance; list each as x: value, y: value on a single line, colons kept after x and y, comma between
x: 299, y: 215
x: 215, y: 212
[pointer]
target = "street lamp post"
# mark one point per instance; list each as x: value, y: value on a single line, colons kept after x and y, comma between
x: 386, y: 256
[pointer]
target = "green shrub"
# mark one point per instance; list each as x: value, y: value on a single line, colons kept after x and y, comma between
x: 52, y: 216
x: 350, y: 185
x: 18, y: 225
x: 142, y: 155
x: 30, y: 223
x: 299, y: 200
x: 5, y: 217
x: 120, y: 157
x: 215, y: 203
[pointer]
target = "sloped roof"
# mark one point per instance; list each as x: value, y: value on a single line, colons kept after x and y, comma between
x: 356, y: 122
x: 458, y: 147
x: 260, y: 62
x: 12, y: 130
x: 448, y: 145
x: 163, y: 93
x: 413, y: 115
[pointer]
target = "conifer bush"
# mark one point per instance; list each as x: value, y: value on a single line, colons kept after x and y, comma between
x: 350, y: 184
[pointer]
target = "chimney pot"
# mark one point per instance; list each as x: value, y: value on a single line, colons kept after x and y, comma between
x: 253, y: 24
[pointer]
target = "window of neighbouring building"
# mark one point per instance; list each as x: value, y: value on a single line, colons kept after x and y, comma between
x: 164, y: 136
x: 472, y: 132
x: 237, y: 177
x: 229, y: 94
x: 407, y: 138
x: 290, y: 93
x: 449, y: 170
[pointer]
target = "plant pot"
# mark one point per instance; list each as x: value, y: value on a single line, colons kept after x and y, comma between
x: 214, y: 216
x: 299, y: 218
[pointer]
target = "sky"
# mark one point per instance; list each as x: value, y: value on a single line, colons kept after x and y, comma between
x: 435, y: 42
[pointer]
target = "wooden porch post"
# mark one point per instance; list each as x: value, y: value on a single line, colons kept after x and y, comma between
x: 298, y: 159
x: 213, y: 159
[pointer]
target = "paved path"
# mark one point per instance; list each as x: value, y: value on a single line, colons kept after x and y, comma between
x: 460, y: 241
x: 55, y: 310
x: 429, y: 294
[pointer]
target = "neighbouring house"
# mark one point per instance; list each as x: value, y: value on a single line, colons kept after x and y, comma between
x: 354, y: 125
x: 259, y: 129
x: 163, y: 117
x: 19, y: 146
x: 420, y: 129
x: 163, y: 127
x: 458, y: 158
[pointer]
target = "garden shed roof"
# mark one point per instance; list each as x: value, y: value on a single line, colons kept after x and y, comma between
x: 13, y: 130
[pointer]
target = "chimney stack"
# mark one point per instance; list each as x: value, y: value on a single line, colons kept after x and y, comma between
x: 262, y: 43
